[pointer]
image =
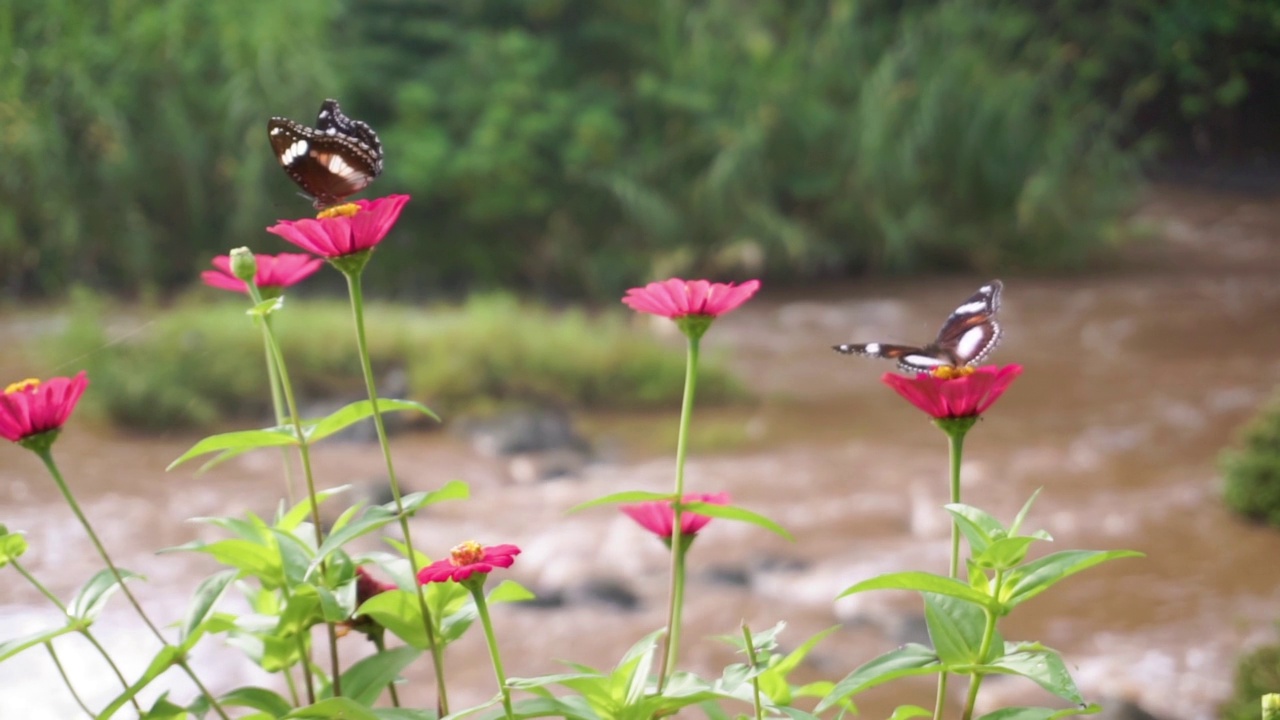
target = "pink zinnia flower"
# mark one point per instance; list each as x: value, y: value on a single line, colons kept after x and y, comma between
x: 677, y: 298
x: 32, y: 407
x: 658, y: 517
x: 948, y: 393
x: 468, y: 559
x: 274, y: 272
x: 344, y: 230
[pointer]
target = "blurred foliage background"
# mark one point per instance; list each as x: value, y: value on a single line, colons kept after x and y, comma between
x: 574, y: 147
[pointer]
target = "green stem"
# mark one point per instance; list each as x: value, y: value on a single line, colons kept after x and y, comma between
x: 955, y: 430
x: 482, y: 608
x: 88, y: 635
x: 381, y: 643
x: 955, y: 443
x: 304, y: 455
x: 988, y: 636
x: 355, y: 290
x: 66, y: 680
x: 277, y: 404
x: 47, y: 457
x: 304, y: 654
x: 671, y: 646
x: 752, y: 662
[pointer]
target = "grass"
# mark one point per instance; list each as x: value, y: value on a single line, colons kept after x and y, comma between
x: 200, y: 363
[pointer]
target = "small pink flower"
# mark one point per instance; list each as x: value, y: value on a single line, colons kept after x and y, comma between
x: 948, y: 393
x: 467, y: 559
x: 658, y: 517
x: 345, y: 229
x: 274, y: 272
x: 677, y: 298
x: 32, y: 407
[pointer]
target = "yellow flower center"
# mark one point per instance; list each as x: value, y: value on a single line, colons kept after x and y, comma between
x: 950, y: 372
x: 22, y: 385
x: 467, y: 553
x: 343, y: 210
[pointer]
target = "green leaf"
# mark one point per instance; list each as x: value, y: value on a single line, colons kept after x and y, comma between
x: 398, y: 611
x: 1037, y: 713
x: 165, y: 659
x: 979, y: 528
x: 910, y: 659
x: 731, y: 512
x: 162, y: 709
x: 956, y: 628
x: 1039, y: 575
x: 267, y: 701
x: 452, y: 490
x: 9, y: 648
x: 340, y: 708
x: 88, y: 603
x: 251, y: 558
x: 922, y: 582
x: 374, y: 518
x: 509, y: 591
x: 301, y: 612
x: 1022, y: 515
x: 404, y: 714
x: 12, y: 546
x: 353, y: 413
x: 202, y: 603
x: 906, y: 712
x: 302, y: 511
x: 365, y: 681
x: 1005, y: 553
x: 630, y: 496
x: 240, y: 441
x: 1042, y: 666
x: 266, y: 307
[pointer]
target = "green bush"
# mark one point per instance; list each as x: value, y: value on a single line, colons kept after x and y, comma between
x: 200, y: 364
x: 1257, y: 674
x: 1252, y: 473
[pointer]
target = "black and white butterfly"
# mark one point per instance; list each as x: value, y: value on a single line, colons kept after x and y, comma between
x: 968, y: 336
x: 337, y: 158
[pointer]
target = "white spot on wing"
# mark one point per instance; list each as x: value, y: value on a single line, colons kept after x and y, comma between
x: 971, y: 308
x: 871, y: 348
x: 293, y: 152
x: 971, y: 343
x: 923, y: 361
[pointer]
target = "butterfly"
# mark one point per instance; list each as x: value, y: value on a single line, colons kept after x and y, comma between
x: 337, y: 158
x: 969, y: 334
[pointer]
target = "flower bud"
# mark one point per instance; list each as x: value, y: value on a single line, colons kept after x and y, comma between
x: 243, y: 265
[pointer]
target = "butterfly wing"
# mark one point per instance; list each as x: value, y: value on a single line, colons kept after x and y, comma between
x: 971, y: 332
x: 330, y: 162
x: 909, y: 357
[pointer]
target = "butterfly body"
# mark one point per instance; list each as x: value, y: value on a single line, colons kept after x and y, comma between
x: 337, y: 158
x: 968, y: 336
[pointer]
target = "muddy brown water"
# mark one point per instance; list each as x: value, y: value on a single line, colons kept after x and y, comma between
x: 1133, y: 383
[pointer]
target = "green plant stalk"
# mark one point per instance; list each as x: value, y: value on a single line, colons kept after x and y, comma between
x: 671, y: 644
x: 47, y: 457
x: 755, y: 681
x: 955, y: 453
x: 83, y: 631
x: 482, y: 608
x: 304, y: 454
x: 304, y: 655
x: 62, y: 672
x: 277, y: 404
x: 988, y: 636
x: 380, y: 642
x: 356, y: 292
